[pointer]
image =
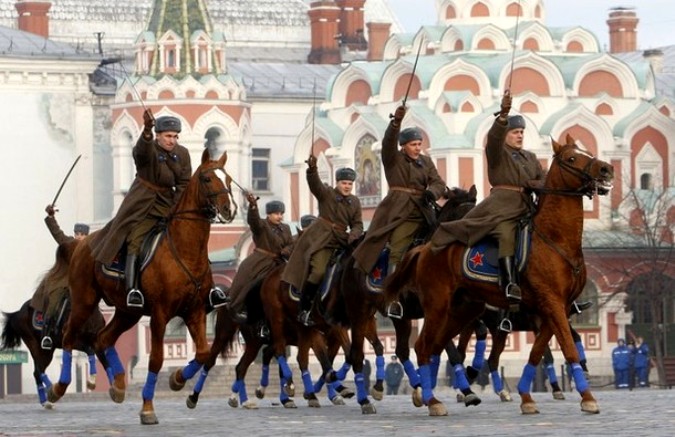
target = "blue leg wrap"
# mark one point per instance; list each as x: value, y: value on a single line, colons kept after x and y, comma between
x: 413, y: 376
x: 379, y: 367
x: 42, y: 395
x: 66, y: 367
x: 361, y: 393
x: 45, y: 380
x: 342, y: 372
x: 236, y: 385
x: 191, y: 369
x: 460, y: 377
x: 149, y: 387
x: 579, y: 379
x: 550, y: 371
x: 265, y: 377
x: 434, y: 364
x: 283, y: 365
x: 319, y: 385
x: 243, y: 396
x: 307, y: 382
x: 199, y: 386
x: 479, y: 356
x: 497, y: 383
x: 109, y: 373
x: 114, y: 361
x: 526, y: 379
x: 92, y: 364
x: 331, y: 389
x: 580, y: 350
x: 425, y: 380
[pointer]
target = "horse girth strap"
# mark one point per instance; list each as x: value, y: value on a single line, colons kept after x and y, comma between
x: 576, y: 268
x: 197, y: 283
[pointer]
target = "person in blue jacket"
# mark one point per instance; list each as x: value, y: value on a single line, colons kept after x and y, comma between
x: 621, y: 360
x: 641, y: 362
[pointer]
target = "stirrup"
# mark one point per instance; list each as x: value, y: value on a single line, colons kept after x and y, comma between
x: 513, y: 292
x: 578, y: 308
x: 135, y: 299
x: 395, y: 310
x: 305, y: 319
x: 505, y: 325
x: 46, y: 343
x: 264, y: 332
x: 218, y: 298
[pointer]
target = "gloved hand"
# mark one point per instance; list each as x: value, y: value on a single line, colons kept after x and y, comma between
x: 398, y: 115
x: 50, y: 210
x: 429, y: 196
x: 285, y: 253
x: 148, y: 120
x: 251, y: 198
x: 311, y: 162
x: 506, y: 105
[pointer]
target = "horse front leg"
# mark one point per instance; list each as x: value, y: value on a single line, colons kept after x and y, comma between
x: 377, y: 390
x: 527, y: 404
x: 196, y: 325
x: 239, y: 394
x: 157, y: 329
x: 403, y: 330
x: 359, y: 326
x: 498, y: 344
x: 305, y: 341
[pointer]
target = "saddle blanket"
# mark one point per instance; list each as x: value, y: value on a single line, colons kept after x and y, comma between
x: 481, y: 263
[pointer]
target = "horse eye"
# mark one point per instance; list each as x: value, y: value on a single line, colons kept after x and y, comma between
x: 572, y: 158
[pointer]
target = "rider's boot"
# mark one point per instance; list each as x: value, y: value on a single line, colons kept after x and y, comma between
x: 306, y: 299
x: 134, y: 296
x: 237, y: 307
x: 579, y: 307
x: 394, y: 309
x: 217, y: 297
x: 509, y: 281
x: 46, y: 343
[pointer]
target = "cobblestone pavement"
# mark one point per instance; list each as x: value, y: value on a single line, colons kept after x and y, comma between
x: 646, y: 412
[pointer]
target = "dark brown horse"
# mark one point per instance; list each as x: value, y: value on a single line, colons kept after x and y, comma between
x: 176, y: 282
x: 553, y: 278
x: 19, y: 327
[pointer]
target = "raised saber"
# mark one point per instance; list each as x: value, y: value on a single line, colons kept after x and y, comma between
x: 58, y: 193
x: 311, y: 150
x: 412, y: 76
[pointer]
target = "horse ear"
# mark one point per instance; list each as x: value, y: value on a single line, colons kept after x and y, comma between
x: 473, y: 192
x: 206, y: 156
x: 556, y: 146
x: 222, y: 160
x: 569, y: 140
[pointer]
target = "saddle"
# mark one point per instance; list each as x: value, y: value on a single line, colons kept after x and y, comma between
x: 332, y: 271
x: 150, y: 243
x: 480, y: 262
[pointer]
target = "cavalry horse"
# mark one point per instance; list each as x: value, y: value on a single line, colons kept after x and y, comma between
x: 19, y: 327
x: 553, y: 277
x: 353, y: 304
x: 176, y: 282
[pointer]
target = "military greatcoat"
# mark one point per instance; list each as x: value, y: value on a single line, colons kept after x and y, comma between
x: 509, y: 170
x: 337, y: 213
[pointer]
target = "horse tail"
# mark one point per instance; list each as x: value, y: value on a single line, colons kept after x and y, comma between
x: 11, y: 337
x: 226, y: 333
x: 404, y: 276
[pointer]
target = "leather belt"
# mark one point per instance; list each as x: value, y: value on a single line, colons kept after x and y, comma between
x: 152, y: 186
x: 407, y: 190
x: 508, y: 187
x: 339, y: 227
x: 265, y: 252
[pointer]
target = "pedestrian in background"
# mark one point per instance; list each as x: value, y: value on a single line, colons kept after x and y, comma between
x: 621, y: 363
x: 641, y: 363
x: 393, y: 374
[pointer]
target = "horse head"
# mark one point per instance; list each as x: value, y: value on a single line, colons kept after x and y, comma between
x: 578, y: 171
x: 459, y: 202
x: 215, y: 189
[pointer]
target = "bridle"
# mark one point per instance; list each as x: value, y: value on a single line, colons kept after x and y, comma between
x: 589, y: 185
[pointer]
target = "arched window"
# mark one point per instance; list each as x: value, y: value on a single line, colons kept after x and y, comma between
x: 531, y: 44
x: 450, y: 12
x: 514, y: 9
x: 604, y: 109
x: 646, y: 181
x: 574, y: 47
x: 485, y: 44
x: 171, y: 58
x: 480, y: 10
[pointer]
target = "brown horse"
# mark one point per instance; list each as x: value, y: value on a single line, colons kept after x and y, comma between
x: 19, y: 327
x: 553, y: 278
x: 176, y: 282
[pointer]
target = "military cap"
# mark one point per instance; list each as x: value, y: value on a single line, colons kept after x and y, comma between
x: 275, y: 206
x: 516, y: 122
x: 409, y: 134
x: 345, y: 174
x: 167, y: 123
x: 81, y: 228
x: 307, y: 220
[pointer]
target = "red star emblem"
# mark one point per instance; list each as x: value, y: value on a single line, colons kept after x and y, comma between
x: 377, y: 274
x: 477, y: 259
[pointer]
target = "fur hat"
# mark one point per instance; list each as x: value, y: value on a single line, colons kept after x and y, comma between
x: 307, y: 220
x: 81, y: 228
x: 409, y: 134
x: 516, y: 122
x: 345, y: 174
x: 167, y: 123
x: 275, y: 206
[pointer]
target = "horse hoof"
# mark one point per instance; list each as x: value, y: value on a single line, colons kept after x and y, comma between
x: 91, y: 382
x: 417, y: 397
x: 471, y: 399
x: 368, y: 408
x: 290, y: 404
x: 460, y: 398
x: 233, y: 401
x: 437, y: 409
x: 590, y: 407
x: 148, y: 418
x: 376, y: 394
x: 505, y: 396
x: 191, y: 402
x: 558, y: 396
x: 116, y: 394
x: 529, y: 408
x: 346, y: 393
x: 260, y: 392
x: 55, y: 393
x: 249, y: 405
x: 48, y: 405
x: 338, y: 400
x: 289, y: 389
x: 313, y: 403
x: 174, y: 383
